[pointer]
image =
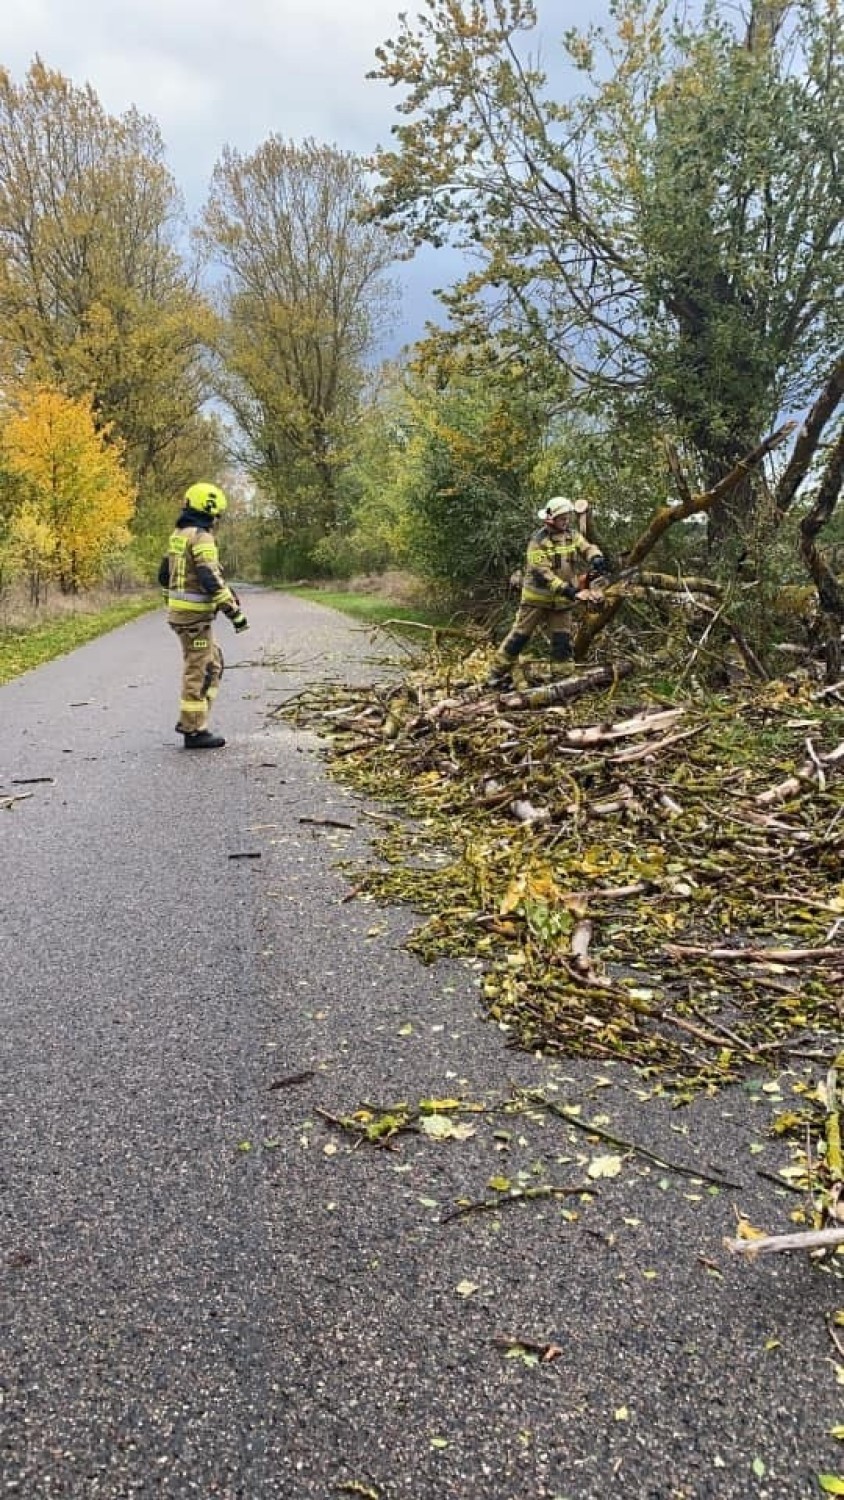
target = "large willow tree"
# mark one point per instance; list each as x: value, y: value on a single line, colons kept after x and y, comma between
x: 669, y: 229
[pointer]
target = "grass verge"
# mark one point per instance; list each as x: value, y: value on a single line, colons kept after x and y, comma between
x: 23, y: 649
x: 367, y: 607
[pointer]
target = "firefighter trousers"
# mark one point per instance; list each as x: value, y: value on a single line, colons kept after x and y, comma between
x: 555, y: 621
x: 202, y: 668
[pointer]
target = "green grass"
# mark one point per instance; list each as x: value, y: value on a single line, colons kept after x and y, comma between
x: 367, y: 607
x: 22, y: 649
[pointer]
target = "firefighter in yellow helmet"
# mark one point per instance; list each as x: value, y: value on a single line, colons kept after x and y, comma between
x: 196, y: 589
x: 557, y: 554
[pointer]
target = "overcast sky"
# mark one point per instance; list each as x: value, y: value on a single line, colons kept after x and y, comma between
x: 232, y: 72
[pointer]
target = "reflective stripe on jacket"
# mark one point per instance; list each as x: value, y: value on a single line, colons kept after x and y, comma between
x: 551, y: 565
x: 195, y: 586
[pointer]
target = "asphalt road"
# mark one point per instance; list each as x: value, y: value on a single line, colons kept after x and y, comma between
x: 206, y: 1289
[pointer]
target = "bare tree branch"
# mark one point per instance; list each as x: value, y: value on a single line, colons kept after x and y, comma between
x: 808, y: 438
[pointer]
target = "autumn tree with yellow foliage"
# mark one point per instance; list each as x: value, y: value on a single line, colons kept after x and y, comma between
x: 96, y: 296
x: 75, y: 497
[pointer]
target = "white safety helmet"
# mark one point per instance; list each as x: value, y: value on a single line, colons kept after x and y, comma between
x: 560, y: 505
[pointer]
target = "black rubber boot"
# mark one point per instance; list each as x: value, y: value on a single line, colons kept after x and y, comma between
x: 562, y: 649
x: 203, y: 739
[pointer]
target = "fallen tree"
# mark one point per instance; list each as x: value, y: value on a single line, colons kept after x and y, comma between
x: 667, y: 516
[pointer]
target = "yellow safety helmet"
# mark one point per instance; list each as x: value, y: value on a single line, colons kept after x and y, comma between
x: 207, y: 498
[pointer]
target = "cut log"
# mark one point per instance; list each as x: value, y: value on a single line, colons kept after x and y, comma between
x: 568, y: 689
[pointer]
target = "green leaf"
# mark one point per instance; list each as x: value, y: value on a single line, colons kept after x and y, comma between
x: 527, y: 1356
x: 831, y: 1484
x: 758, y: 1468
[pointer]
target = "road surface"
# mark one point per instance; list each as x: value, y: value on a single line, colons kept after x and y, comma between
x: 206, y: 1289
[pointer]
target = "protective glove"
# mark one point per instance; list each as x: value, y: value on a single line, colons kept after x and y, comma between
x: 239, y: 621
x: 567, y: 590
x: 592, y: 598
x: 598, y: 567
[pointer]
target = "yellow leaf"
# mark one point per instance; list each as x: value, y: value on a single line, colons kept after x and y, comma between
x: 747, y: 1231
x: 512, y: 897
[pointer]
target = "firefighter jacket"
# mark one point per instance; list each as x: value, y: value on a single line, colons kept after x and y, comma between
x: 190, y: 574
x: 553, y: 562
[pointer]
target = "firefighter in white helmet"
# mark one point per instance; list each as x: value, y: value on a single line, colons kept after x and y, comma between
x: 195, y: 587
x: 556, y: 556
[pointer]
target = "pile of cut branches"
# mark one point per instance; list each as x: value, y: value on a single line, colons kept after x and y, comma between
x: 637, y: 877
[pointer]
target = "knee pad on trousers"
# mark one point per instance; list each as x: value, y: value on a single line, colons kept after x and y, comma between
x: 561, y: 646
x: 213, y: 674
x: 513, y: 645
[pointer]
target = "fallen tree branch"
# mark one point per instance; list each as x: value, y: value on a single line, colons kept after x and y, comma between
x: 517, y: 1195
x: 580, y: 939
x: 669, y: 515
x: 601, y: 734
x: 570, y: 687
x: 755, y: 955
x: 16, y: 797
x: 327, y: 823
x: 546, y: 1351
x: 614, y: 1140
x: 811, y: 771
x: 652, y: 747
x: 770, y: 1244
